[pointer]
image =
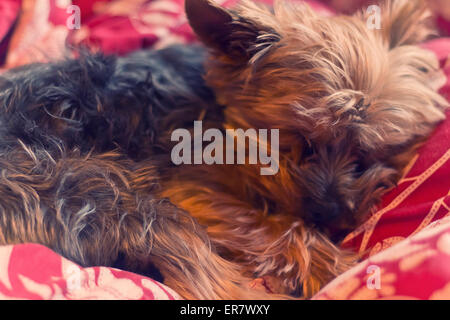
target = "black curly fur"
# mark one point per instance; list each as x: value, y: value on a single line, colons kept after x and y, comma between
x: 104, y: 101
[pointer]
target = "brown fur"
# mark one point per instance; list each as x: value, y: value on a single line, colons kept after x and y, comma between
x: 93, y: 209
x: 351, y: 104
x: 81, y: 149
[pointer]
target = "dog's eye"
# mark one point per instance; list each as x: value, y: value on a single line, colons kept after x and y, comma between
x: 360, y: 168
x: 383, y: 186
x: 308, y: 150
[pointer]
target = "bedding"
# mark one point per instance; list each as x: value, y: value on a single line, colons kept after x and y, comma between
x: 414, y: 269
x: 32, y: 271
x: 412, y: 257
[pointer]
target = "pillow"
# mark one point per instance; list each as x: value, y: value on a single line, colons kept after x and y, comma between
x: 32, y: 271
x: 416, y: 268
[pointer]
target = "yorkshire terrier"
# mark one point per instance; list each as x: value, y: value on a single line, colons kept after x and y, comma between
x: 352, y: 104
x: 85, y: 147
x: 82, y: 147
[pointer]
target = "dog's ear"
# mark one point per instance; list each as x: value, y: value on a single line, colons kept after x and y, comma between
x: 405, y: 22
x: 225, y: 30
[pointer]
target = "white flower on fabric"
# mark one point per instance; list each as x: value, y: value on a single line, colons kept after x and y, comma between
x: 5, y: 254
x: 107, y: 287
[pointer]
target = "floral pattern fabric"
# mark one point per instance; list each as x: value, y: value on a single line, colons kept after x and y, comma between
x: 32, y: 271
x: 415, y: 268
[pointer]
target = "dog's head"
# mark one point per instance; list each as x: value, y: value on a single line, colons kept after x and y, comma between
x: 349, y: 99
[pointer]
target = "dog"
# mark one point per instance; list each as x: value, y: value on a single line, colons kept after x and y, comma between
x: 85, y: 147
x: 352, y: 105
x: 83, y: 144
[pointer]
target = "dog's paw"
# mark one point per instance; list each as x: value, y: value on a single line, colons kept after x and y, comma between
x: 268, y: 283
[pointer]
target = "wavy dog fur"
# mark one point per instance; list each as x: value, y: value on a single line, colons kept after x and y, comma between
x: 84, y: 147
x: 352, y: 105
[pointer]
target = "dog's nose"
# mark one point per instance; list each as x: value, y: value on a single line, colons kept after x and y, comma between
x: 322, y: 213
x: 329, y: 216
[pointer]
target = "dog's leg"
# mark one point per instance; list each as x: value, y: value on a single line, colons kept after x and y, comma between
x: 292, y: 258
x: 180, y: 248
x: 85, y: 208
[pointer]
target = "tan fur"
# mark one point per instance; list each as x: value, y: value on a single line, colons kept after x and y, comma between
x: 351, y: 105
